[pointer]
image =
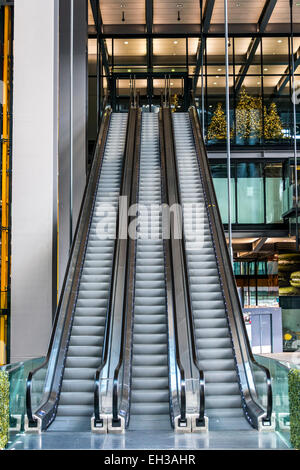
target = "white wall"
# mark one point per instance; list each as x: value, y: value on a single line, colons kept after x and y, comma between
x: 34, y: 174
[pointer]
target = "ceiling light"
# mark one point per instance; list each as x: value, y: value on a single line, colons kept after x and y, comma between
x: 258, y: 83
x: 219, y: 70
x: 129, y: 70
x: 217, y: 76
x: 266, y: 70
x: 173, y: 70
x: 279, y: 41
x: 171, y: 84
x: 215, y: 83
x: 126, y: 42
x: 175, y: 42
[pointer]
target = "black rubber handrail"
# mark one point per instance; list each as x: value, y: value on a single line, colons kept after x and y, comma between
x: 116, y: 422
x: 98, y: 421
x: 182, y: 418
x: 32, y: 422
x: 200, y: 421
x: 228, y: 280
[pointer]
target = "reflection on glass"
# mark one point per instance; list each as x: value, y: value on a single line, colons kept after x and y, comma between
x: 250, y: 193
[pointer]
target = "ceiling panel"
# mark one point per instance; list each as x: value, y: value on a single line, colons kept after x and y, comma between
x: 166, y: 11
x: 239, y: 11
x: 281, y: 13
x: 111, y: 11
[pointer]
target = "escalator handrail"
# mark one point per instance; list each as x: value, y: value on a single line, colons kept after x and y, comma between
x: 225, y: 262
x: 102, y: 132
x: 115, y: 407
x: 177, y: 348
x: 105, y: 349
x: 189, y: 303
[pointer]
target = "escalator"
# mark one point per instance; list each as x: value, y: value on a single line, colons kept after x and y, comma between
x: 237, y: 390
x: 149, y: 332
x: 88, y: 328
x: 214, y: 345
x: 60, y: 393
x: 150, y: 371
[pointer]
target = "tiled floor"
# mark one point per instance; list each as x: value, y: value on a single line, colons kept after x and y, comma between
x: 249, y: 439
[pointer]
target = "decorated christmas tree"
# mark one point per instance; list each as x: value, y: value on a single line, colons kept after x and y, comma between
x: 217, y: 127
x: 248, y: 116
x: 273, y: 124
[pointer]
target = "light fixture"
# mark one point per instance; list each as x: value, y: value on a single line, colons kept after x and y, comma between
x: 217, y: 76
x: 266, y: 70
x: 171, y: 83
x: 129, y: 70
x: 173, y: 70
x: 219, y: 70
x: 258, y: 83
x: 126, y: 42
x: 279, y: 41
x: 215, y: 83
x: 175, y: 42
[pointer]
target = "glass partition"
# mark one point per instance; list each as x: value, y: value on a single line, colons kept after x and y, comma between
x: 279, y: 374
x: 17, y: 376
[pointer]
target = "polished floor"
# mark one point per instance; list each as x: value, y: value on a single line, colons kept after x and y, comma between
x: 217, y: 438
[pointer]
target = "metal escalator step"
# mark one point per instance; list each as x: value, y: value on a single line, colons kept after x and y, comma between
x: 223, y: 401
x: 84, y: 351
x: 211, y: 333
x: 85, y: 340
x: 149, y: 359
x: 75, y: 385
x: 75, y: 410
x: 216, y: 353
x: 151, y: 396
x: 217, y: 365
x: 222, y: 388
x: 152, y: 383
x: 146, y: 408
x: 150, y: 371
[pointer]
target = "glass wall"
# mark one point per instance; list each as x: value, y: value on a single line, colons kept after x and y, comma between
x: 260, y: 91
x: 256, y: 190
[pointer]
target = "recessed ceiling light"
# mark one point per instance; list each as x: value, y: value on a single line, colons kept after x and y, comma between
x: 129, y: 70
x: 279, y: 41
x: 219, y: 70
x: 258, y: 83
x: 266, y: 70
x: 215, y: 83
x: 173, y: 70
x: 175, y: 42
x: 126, y: 42
x: 171, y: 84
x: 217, y: 76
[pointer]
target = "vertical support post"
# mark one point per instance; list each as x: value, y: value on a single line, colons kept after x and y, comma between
x: 71, y: 115
x: 228, y: 131
x: 202, y: 69
x: 295, y: 125
x: 5, y: 184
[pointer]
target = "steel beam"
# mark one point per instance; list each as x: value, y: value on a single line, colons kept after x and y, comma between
x: 207, y: 15
x: 95, y: 5
x: 261, y: 26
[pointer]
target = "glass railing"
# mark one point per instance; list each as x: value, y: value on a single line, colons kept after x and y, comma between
x: 13, y: 379
x: 281, y: 409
